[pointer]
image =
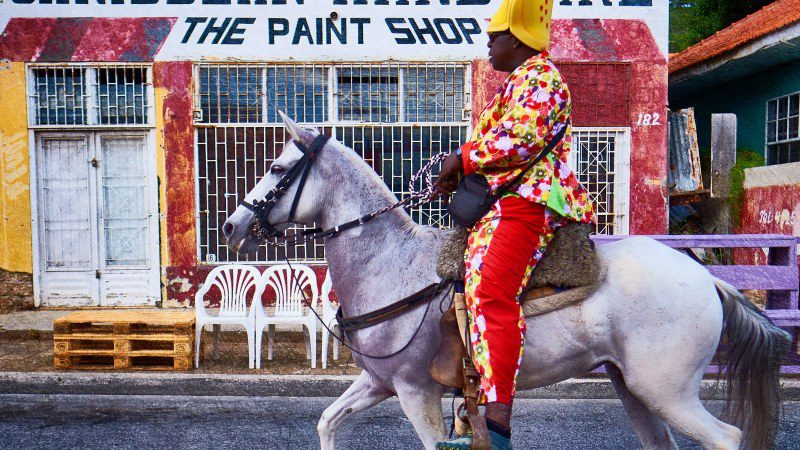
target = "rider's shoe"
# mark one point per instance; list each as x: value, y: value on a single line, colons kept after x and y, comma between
x: 462, y: 443
x: 499, y: 442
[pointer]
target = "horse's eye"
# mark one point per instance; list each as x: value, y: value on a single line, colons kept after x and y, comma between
x: 277, y: 170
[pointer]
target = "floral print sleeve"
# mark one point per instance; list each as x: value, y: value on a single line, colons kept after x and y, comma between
x: 531, y: 106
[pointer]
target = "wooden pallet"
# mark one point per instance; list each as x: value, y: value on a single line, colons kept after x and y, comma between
x: 124, y: 340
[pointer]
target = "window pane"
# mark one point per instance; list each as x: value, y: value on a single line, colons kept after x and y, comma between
x: 121, y: 95
x: 230, y: 94
x: 434, y: 94
x: 783, y: 108
x: 60, y: 96
x: 368, y: 94
x: 783, y: 129
x: 772, y: 110
x: 772, y: 131
x: 793, y: 123
x: 299, y: 91
x: 794, y: 152
x: 794, y: 105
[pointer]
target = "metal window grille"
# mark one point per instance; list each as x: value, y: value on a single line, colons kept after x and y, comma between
x: 368, y: 94
x: 230, y: 94
x: 396, y: 116
x: 783, y: 130
x: 60, y: 95
x: 600, y: 160
x: 90, y: 95
x: 122, y: 95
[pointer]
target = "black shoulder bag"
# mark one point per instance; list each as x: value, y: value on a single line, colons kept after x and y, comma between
x: 473, y: 197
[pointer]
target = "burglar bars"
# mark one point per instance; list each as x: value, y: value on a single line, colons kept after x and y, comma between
x: 600, y: 159
x: 394, y: 115
x: 90, y: 95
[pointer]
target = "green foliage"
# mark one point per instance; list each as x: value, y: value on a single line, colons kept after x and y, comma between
x: 691, y: 21
x: 745, y: 159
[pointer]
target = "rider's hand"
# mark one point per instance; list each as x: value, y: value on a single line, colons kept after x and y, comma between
x: 448, y: 177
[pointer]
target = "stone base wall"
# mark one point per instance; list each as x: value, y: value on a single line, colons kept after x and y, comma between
x: 16, y: 291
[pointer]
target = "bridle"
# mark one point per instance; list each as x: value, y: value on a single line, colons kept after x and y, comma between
x: 262, y: 208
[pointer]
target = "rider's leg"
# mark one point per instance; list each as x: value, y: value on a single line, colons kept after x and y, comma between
x: 503, y: 248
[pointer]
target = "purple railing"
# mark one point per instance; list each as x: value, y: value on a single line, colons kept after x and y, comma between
x: 779, y: 277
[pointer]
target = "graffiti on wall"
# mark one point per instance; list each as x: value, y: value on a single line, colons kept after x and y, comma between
x: 783, y: 219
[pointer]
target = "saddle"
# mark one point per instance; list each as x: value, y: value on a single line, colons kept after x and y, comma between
x: 568, y: 273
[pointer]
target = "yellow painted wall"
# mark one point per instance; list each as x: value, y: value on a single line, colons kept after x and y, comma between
x: 160, y: 94
x: 15, y: 201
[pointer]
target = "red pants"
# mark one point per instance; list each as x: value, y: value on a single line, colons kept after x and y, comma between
x: 503, y: 249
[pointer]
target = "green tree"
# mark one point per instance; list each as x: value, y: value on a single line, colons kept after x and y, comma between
x: 691, y: 21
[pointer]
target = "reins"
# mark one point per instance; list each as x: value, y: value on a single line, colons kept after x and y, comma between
x: 264, y: 230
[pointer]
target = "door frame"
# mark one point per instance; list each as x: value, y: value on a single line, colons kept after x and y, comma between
x: 93, y: 137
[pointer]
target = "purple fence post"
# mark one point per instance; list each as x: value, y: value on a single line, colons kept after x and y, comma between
x: 779, y: 256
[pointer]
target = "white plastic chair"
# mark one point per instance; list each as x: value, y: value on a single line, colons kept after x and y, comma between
x: 329, y: 319
x: 288, y: 306
x: 234, y: 282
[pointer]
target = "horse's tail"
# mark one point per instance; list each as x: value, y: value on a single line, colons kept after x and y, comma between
x: 751, y: 362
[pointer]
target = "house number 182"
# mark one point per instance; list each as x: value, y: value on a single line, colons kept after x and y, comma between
x: 648, y: 120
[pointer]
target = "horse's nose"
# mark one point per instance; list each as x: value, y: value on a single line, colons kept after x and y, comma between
x: 227, y: 229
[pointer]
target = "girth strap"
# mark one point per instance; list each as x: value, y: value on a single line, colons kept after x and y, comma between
x: 390, y: 311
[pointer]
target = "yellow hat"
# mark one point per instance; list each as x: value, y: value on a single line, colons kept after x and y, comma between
x: 528, y: 21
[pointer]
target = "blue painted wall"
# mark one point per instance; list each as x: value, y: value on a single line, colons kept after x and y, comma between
x: 747, y: 98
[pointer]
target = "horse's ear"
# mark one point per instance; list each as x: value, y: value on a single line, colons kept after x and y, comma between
x: 297, y: 132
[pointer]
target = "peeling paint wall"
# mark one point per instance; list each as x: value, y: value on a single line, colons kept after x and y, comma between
x: 175, y: 138
x: 771, y: 205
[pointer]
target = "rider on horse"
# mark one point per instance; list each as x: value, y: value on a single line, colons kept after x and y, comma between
x: 530, y: 108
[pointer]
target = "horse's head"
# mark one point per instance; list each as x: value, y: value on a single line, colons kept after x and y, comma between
x: 239, y: 229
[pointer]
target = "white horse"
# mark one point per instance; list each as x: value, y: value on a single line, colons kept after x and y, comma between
x: 655, y: 321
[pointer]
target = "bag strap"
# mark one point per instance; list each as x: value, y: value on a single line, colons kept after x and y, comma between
x: 546, y: 151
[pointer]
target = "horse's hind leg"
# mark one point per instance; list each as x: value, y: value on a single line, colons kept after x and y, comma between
x: 364, y: 393
x: 649, y: 428
x: 677, y: 402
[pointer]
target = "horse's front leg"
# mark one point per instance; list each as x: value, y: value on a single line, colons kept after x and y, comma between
x: 423, y: 407
x: 364, y: 393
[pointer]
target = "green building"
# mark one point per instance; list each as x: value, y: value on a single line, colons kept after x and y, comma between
x: 751, y: 69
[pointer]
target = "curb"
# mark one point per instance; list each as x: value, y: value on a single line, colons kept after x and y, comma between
x: 102, y: 383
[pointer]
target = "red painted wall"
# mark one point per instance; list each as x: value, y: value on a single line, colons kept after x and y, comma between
x: 769, y: 210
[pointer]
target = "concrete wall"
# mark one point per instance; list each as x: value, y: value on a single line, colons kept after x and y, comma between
x: 747, y: 98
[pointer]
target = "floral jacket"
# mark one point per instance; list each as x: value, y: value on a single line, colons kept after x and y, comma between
x: 515, y: 126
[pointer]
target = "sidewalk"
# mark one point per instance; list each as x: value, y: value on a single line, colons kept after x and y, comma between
x: 189, y: 384
x: 26, y: 367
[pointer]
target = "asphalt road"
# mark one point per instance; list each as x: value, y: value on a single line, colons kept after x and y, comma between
x: 89, y: 421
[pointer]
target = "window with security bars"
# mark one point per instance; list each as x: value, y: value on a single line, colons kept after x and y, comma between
x: 600, y: 159
x: 76, y: 95
x: 396, y: 116
x: 783, y: 130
